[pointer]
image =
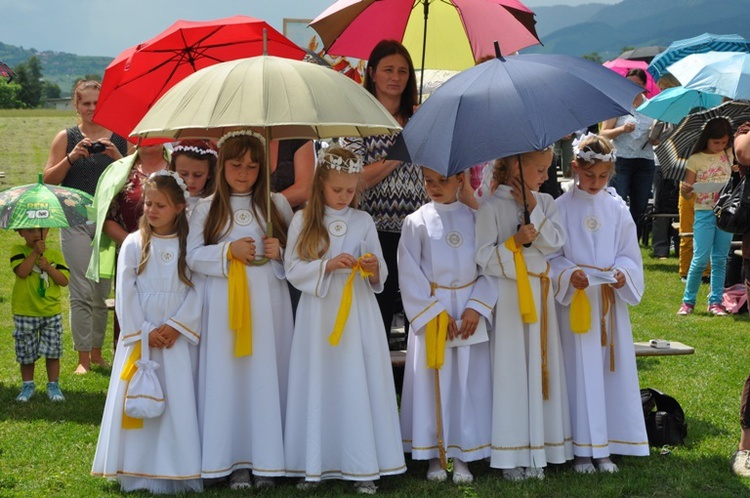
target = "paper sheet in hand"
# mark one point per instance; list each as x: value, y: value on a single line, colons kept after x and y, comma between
x: 480, y: 335
x: 601, y: 277
x: 707, y: 187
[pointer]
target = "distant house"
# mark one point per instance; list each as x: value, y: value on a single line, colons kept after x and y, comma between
x: 61, y: 104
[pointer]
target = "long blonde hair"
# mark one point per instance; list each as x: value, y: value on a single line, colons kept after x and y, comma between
x: 313, y: 240
x: 176, y: 196
x: 220, y: 211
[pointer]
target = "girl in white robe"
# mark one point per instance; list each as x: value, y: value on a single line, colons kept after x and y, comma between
x: 244, y: 354
x: 530, y: 417
x: 154, y: 295
x: 603, y: 390
x: 342, y: 417
x: 195, y: 161
x: 438, y: 273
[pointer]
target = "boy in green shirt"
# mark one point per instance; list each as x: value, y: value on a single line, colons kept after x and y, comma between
x: 37, y: 313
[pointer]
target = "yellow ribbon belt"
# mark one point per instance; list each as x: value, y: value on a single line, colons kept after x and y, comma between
x: 435, y: 334
x: 128, y: 370
x: 240, y: 314
x: 525, y: 296
x: 346, y: 302
x: 580, y: 312
x: 545, y: 284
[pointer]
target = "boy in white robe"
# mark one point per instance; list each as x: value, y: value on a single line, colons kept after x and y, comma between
x: 438, y: 274
x: 601, y: 264
x: 530, y: 418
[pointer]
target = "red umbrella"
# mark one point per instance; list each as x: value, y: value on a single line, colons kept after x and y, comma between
x: 137, y: 77
x: 622, y: 66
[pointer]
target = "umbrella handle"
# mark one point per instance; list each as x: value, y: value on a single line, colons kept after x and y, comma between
x: 526, y: 214
x: 269, y: 226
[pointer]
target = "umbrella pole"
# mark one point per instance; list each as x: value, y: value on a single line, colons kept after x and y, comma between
x: 426, y: 4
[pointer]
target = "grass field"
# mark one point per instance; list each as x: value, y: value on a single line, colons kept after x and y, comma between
x: 46, y: 450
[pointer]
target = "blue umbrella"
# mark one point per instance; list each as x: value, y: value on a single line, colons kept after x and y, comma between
x: 673, y: 104
x: 508, y: 106
x: 701, y: 44
x: 724, y: 73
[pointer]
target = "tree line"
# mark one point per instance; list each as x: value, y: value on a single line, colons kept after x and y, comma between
x: 29, y: 89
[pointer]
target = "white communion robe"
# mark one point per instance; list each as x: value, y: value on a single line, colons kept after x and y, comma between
x: 241, y: 400
x: 342, y: 415
x: 165, y: 455
x: 527, y: 430
x: 437, y: 249
x: 605, y: 405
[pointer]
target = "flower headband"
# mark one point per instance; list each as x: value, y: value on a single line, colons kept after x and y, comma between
x: 177, y: 178
x: 193, y: 148
x: 333, y: 161
x: 239, y: 133
x: 589, y: 155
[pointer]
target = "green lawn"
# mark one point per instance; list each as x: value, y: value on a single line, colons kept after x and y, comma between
x: 46, y: 449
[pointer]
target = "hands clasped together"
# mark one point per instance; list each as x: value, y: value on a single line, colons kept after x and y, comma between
x: 244, y: 249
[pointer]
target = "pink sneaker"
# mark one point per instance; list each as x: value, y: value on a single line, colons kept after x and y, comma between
x: 686, y: 309
x: 717, y: 310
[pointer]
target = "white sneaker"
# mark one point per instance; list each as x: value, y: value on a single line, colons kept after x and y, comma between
x: 365, y: 487
x: 741, y: 463
x: 516, y: 474
x: 535, y: 473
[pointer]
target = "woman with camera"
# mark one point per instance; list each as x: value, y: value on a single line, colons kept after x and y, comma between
x: 77, y: 158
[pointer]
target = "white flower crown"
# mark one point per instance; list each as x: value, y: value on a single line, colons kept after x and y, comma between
x: 177, y: 178
x: 239, y: 133
x: 332, y: 161
x: 193, y: 148
x: 589, y: 155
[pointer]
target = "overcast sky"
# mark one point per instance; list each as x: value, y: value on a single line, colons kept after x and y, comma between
x: 107, y: 27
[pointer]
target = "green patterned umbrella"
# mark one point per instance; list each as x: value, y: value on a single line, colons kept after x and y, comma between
x: 38, y: 205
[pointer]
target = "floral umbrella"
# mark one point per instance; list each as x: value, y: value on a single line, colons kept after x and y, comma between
x: 38, y: 205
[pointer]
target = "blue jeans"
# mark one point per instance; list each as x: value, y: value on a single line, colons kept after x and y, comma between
x: 633, y: 179
x: 708, y: 241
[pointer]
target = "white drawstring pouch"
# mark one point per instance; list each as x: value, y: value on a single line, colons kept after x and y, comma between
x: 144, y: 398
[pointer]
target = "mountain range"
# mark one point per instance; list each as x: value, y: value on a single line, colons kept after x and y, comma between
x: 585, y: 29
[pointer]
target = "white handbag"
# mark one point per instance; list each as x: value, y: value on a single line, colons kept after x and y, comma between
x: 144, y: 398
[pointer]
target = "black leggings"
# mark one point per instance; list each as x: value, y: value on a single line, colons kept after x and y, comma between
x: 389, y: 300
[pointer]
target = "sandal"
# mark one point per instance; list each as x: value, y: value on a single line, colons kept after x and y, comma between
x: 365, y: 487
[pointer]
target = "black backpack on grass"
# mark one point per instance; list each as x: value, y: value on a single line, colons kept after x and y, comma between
x: 665, y: 420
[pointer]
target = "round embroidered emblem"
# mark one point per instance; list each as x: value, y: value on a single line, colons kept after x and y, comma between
x: 243, y: 217
x: 454, y: 239
x: 167, y: 257
x: 592, y: 223
x: 337, y: 228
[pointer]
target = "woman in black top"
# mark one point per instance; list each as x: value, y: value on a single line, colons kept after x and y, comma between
x: 77, y: 158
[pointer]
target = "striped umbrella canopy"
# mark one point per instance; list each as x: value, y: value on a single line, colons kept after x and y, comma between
x: 701, y: 44
x: 674, y: 152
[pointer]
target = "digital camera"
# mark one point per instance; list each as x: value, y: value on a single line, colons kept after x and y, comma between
x: 96, y: 148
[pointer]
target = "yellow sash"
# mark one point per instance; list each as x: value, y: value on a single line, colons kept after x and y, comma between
x: 525, y: 297
x: 128, y: 370
x: 240, y: 314
x: 436, y: 332
x: 346, y: 302
x: 580, y: 312
x: 608, y: 301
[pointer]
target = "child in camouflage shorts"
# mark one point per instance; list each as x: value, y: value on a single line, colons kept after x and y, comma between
x: 40, y: 273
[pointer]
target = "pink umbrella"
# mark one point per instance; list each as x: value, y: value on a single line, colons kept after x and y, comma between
x: 622, y: 66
